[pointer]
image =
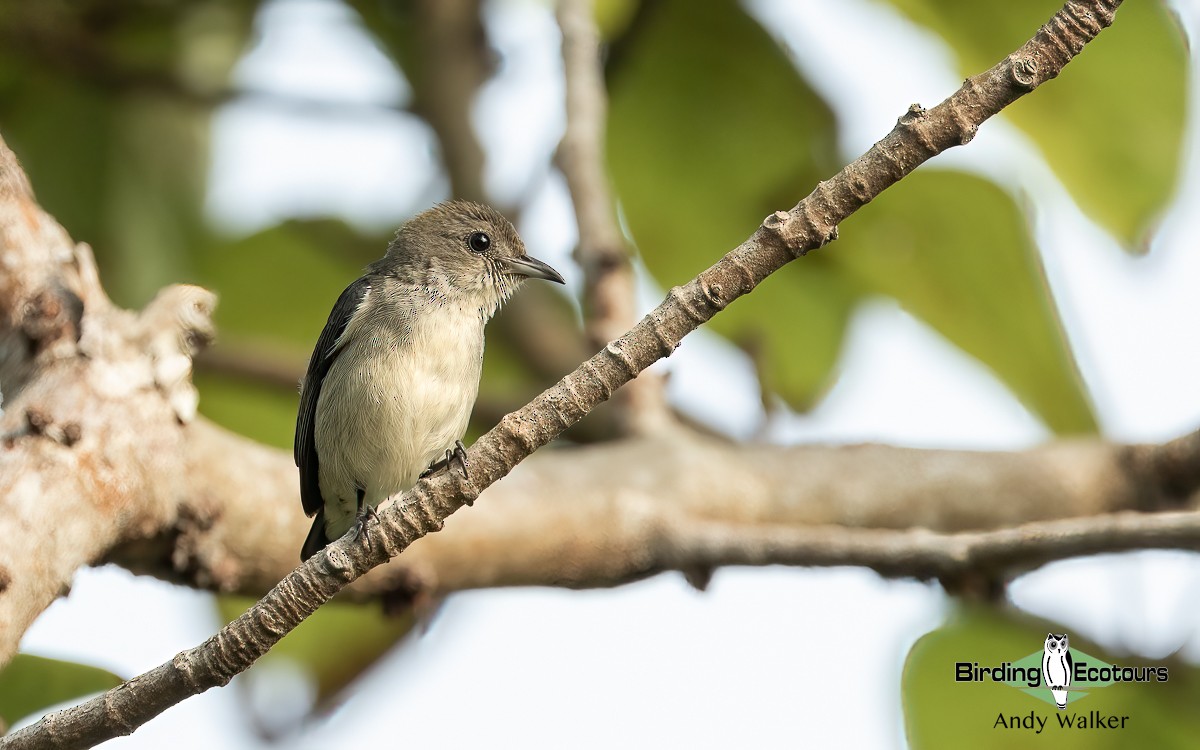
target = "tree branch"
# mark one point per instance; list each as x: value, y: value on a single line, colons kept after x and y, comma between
x: 782, y: 237
x: 455, y: 61
x: 609, y: 286
x: 582, y: 518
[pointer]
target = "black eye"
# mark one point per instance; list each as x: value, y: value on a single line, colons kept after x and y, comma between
x: 479, y: 242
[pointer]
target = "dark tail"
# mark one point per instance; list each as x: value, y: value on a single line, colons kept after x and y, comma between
x: 316, y: 541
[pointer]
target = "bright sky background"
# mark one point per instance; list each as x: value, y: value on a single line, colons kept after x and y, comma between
x: 765, y: 657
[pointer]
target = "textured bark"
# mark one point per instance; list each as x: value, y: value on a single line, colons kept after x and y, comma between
x: 101, y: 372
x: 90, y: 438
x: 604, y: 515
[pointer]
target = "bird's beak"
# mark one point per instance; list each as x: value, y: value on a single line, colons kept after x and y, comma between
x: 530, y: 267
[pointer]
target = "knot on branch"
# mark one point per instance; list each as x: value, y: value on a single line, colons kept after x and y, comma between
x: 914, y: 121
x: 914, y: 113
x: 1025, y: 72
x: 173, y: 328
x: 777, y: 220
x: 782, y: 227
x: 39, y: 422
x: 799, y: 240
x: 51, y: 315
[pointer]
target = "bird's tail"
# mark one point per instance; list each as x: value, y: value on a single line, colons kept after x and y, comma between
x: 316, y: 541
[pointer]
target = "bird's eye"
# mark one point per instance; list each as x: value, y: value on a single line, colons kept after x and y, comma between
x: 479, y: 242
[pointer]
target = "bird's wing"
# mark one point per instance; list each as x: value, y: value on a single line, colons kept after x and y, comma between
x: 328, y: 346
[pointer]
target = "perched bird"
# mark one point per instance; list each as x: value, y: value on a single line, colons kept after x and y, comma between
x: 395, y: 372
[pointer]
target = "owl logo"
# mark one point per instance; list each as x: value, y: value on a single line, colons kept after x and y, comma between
x: 1057, y: 667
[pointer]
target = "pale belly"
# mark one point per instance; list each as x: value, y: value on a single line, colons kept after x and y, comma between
x: 382, y: 419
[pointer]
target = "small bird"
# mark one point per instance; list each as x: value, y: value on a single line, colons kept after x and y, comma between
x: 395, y: 372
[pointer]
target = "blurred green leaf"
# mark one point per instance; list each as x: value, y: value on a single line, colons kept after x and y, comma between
x: 336, y: 644
x: 152, y: 211
x: 261, y: 412
x: 395, y: 27
x: 956, y: 252
x: 793, y: 328
x: 105, y: 105
x: 1111, y: 125
x: 30, y: 684
x: 321, y: 257
x: 613, y: 17
x: 61, y: 133
x: 940, y: 712
x: 710, y: 129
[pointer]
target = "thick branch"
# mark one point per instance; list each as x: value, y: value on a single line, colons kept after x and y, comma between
x: 918, y: 136
x: 587, y: 517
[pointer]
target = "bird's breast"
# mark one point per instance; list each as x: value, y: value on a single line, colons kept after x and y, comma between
x: 399, y: 393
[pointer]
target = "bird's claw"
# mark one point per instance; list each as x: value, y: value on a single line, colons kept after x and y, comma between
x: 365, y: 516
x: 459, y: 454
x: 455, y: 455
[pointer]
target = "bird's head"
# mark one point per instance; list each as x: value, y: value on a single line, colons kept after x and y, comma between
x: 465, y: 252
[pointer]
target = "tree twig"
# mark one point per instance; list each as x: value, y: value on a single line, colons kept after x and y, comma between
x: 455, y: 61
x: 609, y: 286
x: 783, y: 236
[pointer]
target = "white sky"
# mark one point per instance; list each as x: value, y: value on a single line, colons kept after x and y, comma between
x: 766, y: 657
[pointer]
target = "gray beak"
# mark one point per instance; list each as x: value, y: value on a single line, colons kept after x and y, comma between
x: 530, y: 267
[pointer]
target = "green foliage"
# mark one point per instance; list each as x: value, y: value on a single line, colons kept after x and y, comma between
x: 613, y: 17
x: 264, y: 413
x: 1118, y: 155
x: 100, y: 101
x: 940, y: 712
x: 31, y: 684
x: 710, y: 129
x: 956, y: 252
x: 319, y: 257
x: 687, y: 136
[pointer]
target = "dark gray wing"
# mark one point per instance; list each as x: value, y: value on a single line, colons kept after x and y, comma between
x: 310, y: 391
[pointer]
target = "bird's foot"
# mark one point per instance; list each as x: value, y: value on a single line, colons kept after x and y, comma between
x: 459, y: 454
x: 456, y: 455
x: 365, y: 516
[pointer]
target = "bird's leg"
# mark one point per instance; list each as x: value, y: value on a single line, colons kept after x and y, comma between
x: 365, y: 513
x: 459, y: 454
x: 436, y: 465
x: 456, y: 455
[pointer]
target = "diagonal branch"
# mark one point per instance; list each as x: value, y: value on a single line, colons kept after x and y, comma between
x: 783, y: 236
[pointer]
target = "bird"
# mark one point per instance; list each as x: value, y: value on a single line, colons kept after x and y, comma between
x: 1057, y: 667
x: 395, y: 372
